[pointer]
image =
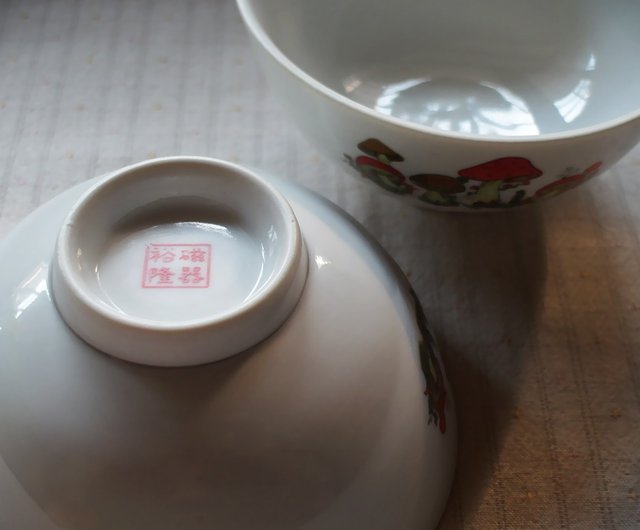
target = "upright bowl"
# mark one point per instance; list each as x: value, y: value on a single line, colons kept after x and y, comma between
x: 458, y: 105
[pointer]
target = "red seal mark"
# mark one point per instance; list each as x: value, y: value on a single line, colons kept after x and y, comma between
x: 177, y: 266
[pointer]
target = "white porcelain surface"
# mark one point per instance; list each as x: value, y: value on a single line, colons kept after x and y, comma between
x: 180, y: 261
x: 324, y: 425
x: 449, y: 86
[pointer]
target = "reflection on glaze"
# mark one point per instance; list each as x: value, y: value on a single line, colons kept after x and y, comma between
x: 574, y: 103
x: 272, y: 234
x: 321, y: 262
x: 30, y: 289
x: 460, y: 106
x: 79, y: 259
x: 217, y: 229
x: 511, y: 106
x: 261, y: 281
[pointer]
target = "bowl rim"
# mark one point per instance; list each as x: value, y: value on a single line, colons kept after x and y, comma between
x: 251, y: 21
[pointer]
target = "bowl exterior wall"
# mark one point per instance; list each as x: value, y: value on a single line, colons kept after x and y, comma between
x: 344, y: 418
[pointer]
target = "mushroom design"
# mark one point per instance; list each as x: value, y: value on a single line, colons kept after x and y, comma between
x: 497, y: 175
x: 568, y: 182
x: 435, y: 390
x: 377, y: 167
x: 439, y: 189
x: 592, y: 170
x: 375, y: 148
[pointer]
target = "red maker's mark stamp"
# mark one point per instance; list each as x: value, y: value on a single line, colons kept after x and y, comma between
x: 177, y: 266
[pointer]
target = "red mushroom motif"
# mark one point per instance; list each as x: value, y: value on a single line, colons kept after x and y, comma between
x: 592, y: 170
x: 377, y: 166
x: 479, y: 186
x: 382, y: 174
x: 568, y: 182
x: 558, y: 186
x: 497, y: 175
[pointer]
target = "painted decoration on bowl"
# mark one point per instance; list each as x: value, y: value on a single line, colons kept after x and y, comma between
x: 489, y: 179
x: 377, y: 167
x: 570, y: 179
x: 436, y: 390
x: 480, y: 186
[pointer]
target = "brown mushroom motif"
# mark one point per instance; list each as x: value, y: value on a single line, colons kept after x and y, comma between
x: 375, y: 148
x: 377, y: 166
x: 440, y: 190
x: 498, y: 175
x: 567, y: 182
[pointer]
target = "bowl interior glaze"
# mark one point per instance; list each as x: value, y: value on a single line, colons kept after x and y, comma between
x: 497, y: 68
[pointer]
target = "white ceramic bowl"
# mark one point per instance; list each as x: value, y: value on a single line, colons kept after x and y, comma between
x: 458, y: 105
x: 341, y: 417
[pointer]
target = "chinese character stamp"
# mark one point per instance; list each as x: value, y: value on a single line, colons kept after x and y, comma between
x: 176, y: 266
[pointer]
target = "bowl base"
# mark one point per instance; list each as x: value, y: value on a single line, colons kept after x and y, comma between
x: 180, y: 270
